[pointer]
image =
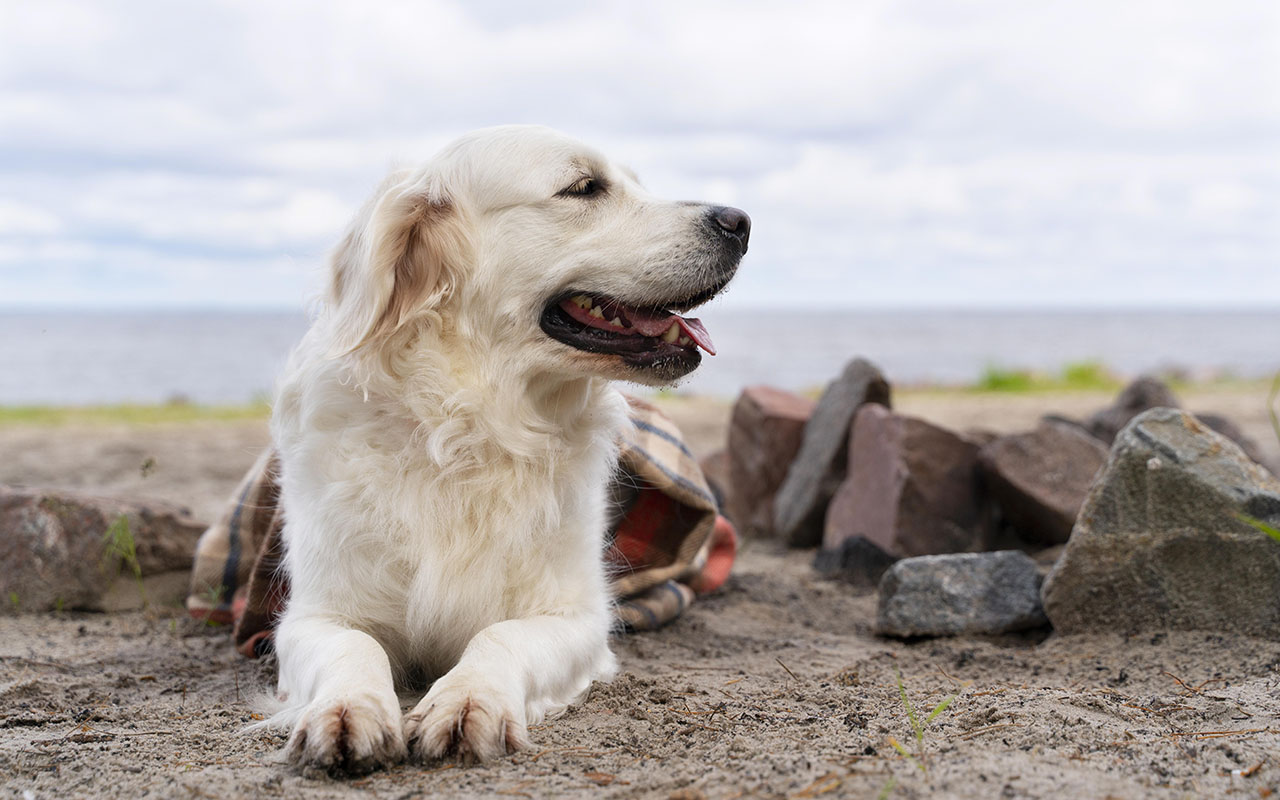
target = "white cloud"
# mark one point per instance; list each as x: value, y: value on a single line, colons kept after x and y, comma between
x: 998, y: 152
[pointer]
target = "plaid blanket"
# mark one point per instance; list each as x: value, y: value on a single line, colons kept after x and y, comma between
x: 667, y: 539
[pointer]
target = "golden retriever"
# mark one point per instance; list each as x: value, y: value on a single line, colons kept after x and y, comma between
x: 447, y: 429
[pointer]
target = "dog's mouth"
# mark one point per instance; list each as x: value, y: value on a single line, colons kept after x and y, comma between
x: 643, y: 336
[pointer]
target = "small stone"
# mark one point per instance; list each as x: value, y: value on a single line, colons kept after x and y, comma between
x: 1040, y: 478
x: 764, y: 436
x: 1166, y: 548
x: 971, y: 593
x: 913, y: 488
x: 800, y: 505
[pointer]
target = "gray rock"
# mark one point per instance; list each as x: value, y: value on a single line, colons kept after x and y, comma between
x: 976, y: 593
x: 913, y: 488
x: 1143, y: 394
x: 1159, y: 543
x: 54, y: 550
x: 1040, y: 478
x: 800, y: 505
x: 1232, y: 431
x: 764, y: 436
x: 856, y: 561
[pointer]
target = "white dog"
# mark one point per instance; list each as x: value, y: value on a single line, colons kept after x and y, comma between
x: 446, y: 431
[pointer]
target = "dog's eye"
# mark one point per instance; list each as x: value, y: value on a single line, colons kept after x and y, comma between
x: 583, y: 187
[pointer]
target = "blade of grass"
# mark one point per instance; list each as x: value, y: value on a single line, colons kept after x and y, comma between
x: 1260, y: 525
x: 896, y: 745
x: 888, y: 789
x: 911, y: 712
x: 940, y: 707
x: 1271, y: 405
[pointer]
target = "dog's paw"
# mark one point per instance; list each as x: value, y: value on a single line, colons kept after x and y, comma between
x: 351, y: 735
x: 476, y: 722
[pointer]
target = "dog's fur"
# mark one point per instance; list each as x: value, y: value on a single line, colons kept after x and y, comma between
x: 444, y: 459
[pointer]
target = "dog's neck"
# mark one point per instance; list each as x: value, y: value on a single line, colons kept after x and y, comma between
x: 463, y: 396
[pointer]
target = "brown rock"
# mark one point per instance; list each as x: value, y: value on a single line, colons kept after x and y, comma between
x: 56, y: 550
x: 764, y: 435
x: 913, y: 488
x: 800, y: 507
x: 1040, y: 478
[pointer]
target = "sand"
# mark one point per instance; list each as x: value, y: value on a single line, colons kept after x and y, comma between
x: 773, y: 687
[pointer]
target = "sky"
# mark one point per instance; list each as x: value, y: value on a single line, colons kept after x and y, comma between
x: 897, y: 153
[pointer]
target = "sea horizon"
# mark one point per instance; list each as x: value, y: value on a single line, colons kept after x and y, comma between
x: 230, y: 356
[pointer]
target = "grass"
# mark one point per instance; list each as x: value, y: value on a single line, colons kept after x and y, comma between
x: 1077, y: 376
x: 121, y: 549
x: 918, y: 727
x: 129, y: 414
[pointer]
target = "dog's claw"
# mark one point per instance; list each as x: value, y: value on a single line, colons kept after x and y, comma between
x: 349, y: 736
x: 473, y: 726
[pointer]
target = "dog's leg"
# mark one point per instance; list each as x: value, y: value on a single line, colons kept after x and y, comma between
x: 509, y: 676
x: 351, y: 718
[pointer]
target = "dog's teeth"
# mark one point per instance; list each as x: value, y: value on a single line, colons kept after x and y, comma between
x: 597, y: 312
x: 685, y: 341
x: 671, y: 334
x: 581, y: 301
x: 615, y: 322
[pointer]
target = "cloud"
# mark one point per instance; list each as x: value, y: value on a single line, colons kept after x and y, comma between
x: 1001, y: 153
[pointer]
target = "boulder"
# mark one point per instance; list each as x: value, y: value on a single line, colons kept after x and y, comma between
x: 856, y: 561
x: 1143, y: 394
x: 1160, y: 543
x: 59, y: 550
x: 764, y: 436
x: 800, y: 505
x: 913, y: 488
x: 1232, y: 431
x: 1040, y: 478
x: 975, y: 593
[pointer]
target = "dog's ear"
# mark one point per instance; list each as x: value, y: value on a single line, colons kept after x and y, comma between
x: 402, y: 255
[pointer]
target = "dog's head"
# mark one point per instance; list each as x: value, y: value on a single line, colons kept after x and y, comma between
x: 531, y: 247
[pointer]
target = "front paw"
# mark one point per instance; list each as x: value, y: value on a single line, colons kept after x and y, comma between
x: 469, y: 718
x: 352, y: 735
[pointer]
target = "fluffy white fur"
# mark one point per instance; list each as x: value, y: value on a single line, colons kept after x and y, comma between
x: 445, y: 460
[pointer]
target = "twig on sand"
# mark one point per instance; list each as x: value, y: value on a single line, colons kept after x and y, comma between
x: 827, y: 783
x: 1223, y: 734
x: 979, y: 731
x: 788, y: 669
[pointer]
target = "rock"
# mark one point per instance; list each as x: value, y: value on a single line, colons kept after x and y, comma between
x: 764, y: 436
x: 1040, y: 478
x: 800, y: 505
x: 960, y: 593
x: 1159, y: 544
x: 715, y: 468
x: 1143, y: 394
x: 1229, y: 429
x: 913, y: 488
x: 55, y: 551
x: 856, y: 561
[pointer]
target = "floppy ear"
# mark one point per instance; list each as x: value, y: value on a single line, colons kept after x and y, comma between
x: 401, y: 256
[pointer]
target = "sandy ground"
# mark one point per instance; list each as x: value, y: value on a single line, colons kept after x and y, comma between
x: 773, y: 687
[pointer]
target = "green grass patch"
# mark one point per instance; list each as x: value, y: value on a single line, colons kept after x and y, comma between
x: 129, y: 414
x: 1077, y: 376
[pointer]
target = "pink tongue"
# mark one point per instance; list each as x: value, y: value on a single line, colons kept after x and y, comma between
x: 645, y: 323
x: 656, y: 324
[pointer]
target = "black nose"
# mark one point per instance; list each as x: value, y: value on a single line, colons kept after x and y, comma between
x: 734, y: 222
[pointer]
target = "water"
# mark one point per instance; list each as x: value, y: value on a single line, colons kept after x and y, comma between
x: 81, y: 358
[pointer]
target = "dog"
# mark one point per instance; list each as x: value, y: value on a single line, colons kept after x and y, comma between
x: 446, y: 430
